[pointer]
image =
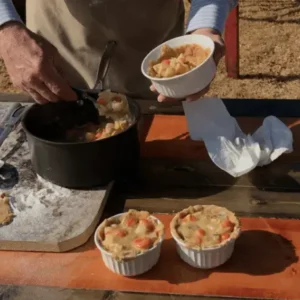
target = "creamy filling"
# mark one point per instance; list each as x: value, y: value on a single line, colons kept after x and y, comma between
x: 114, y: 107
x: 132, y: 234
x: 177, y: 61
x: 205, y: 228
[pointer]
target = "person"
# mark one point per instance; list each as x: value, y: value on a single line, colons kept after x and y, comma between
x: 64, y: 40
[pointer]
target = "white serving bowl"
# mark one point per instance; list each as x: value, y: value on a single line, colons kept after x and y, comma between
x: 138, y: 265
x: 192, y: 82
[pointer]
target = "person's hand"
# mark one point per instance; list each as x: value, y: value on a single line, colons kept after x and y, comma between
x: 31, y: 64
x: 218, y: 54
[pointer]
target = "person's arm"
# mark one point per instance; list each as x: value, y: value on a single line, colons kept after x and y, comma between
x: 30, y: 60
x: 209, y: 14
x: 8, y: 13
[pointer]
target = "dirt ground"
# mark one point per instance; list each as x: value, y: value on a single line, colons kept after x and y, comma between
x: 269, y: 53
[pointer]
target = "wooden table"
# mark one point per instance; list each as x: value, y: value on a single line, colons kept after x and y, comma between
x: 169, y: 184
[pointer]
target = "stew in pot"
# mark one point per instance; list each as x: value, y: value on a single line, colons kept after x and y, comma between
x: 117, y: 118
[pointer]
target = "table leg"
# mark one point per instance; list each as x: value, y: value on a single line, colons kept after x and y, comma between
x: 232, y: 44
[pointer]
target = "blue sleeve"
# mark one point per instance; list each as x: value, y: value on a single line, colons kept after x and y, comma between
x: 8, y: 12
x: 209, y: 14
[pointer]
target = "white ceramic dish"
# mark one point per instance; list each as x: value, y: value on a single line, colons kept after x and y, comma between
x: 134, y: 266
x: 206, y: 258
x: 189, y: 83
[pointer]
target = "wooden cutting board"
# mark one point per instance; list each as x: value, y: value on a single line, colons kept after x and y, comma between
x: 47, y: 217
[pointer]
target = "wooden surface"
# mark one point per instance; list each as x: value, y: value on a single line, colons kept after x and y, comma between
x: 168, y: 186
x: 42, y: 210
x: 167, y: 137
x: 232, y: 44
x: 276, y: 261
x: 48, y: 293
x: 254, y: 108
x: 36, y: 234
x: 178, y: 172
x: 176, y: 181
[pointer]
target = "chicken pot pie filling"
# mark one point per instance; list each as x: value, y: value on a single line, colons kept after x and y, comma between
x: 177, y: 61
x: 205, y: 226
x: 132, y: 233
x: 117, y: 118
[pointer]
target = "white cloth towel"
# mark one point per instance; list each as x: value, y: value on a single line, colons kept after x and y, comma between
x: 229, y: 148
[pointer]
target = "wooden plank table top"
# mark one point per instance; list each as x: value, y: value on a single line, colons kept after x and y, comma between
x: 176, y: 173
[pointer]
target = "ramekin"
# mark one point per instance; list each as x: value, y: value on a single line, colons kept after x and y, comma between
x: 189, y: 83
x: 207, y: 258
x: 128, y: 267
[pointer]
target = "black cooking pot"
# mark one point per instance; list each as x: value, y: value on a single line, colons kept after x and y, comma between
x: 84, y: 164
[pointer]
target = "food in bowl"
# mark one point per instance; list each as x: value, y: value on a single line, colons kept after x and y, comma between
x: 130, y: 242
x: 178, y: 60
x: 117, y: 118
x: 186, y: 84
x: 205, y: 235
x: 130, y: 234
x: 205, y: 226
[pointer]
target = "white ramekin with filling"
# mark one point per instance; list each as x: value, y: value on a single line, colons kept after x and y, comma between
x: 135, y: 262
x: 199, y: 255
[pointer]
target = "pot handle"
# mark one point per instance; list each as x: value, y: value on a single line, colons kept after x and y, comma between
x: 104, y: 65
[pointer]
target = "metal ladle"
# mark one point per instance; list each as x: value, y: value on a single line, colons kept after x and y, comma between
x: 92, y: 94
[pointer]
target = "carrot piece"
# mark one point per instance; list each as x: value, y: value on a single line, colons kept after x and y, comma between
x: 225, y: 236
x: 148, y: 224
x: 98, y: 135
x: 182, y: 215
x: 200, y: 232
x: 121, y: 232
x: 117, y: 232
x: 189, y: 218
x: 198, y: 240
x: 101, y: 101
x: 193, y: 218
x: 142, y: 243
x: 228, y: 224
x: 130, y: 222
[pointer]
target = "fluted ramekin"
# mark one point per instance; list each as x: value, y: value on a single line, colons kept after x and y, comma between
x: 206, y: 258
x: 128, y: 267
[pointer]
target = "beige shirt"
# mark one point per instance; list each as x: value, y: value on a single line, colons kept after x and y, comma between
x: 80, y: 29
